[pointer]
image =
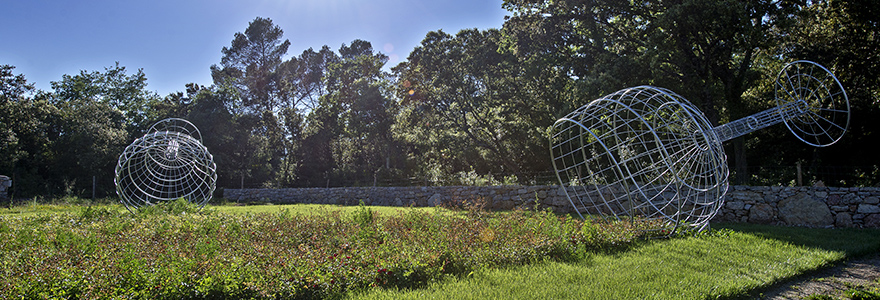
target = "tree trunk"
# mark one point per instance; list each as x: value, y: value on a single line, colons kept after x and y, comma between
x: 740, y: 163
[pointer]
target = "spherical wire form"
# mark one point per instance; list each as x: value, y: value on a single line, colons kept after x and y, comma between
x: 167, y: 163
x: 646, y: 152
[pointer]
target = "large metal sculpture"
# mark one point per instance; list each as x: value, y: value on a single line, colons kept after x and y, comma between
x: 646, y: 152
x: 167, y: 163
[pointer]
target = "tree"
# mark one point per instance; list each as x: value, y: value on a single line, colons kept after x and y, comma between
x: 100, y: 114
x: 13, y: 90
x: 251, y: 63
x: 464, y: 108
x: 843, y: 36
x: 113, y: 89
x: 303, y: 82
x: 704, y: 50
x: 268, y: 92
x: 13, y: 87
x: 348, y: 133
x: 28, y: 130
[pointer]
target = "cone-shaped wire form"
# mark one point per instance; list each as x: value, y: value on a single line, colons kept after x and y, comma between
x: 641, y: 152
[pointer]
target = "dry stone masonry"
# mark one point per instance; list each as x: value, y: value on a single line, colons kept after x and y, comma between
x: 794, y: 206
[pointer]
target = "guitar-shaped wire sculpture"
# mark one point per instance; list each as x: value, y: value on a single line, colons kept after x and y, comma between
x: 646, y: 152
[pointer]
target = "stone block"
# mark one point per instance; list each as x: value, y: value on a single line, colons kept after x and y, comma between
x: 872, y: 221
x: 761, y: 213
x: 834, y: 200
x: 840, y: 208
x: 852, y: 199
x: 843, y: 220
x: 801, y: 209
x: 868, y: 209
x: 504, y: 205
x: 746, y: 196
x: 872, y: 200
x: 734, y: 205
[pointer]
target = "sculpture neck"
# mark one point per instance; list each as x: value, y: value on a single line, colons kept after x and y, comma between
x: 759, y: 120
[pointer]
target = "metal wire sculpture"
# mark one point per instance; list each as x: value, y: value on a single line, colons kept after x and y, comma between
x: 646, y: 152
x: 167, y: 163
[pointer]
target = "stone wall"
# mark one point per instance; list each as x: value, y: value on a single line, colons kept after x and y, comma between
x: 797, y: 206
x: 495, y: 197
x: 803, y: 206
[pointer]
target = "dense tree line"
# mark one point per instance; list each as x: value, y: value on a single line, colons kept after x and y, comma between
x: 461, y: 108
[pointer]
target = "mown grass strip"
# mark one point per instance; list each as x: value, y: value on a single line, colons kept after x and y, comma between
x: 738, y: 264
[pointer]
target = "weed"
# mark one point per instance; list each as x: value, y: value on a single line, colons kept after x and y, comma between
x: 363, y: 215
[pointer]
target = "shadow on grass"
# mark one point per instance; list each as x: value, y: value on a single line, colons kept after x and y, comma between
x: 853, y: 242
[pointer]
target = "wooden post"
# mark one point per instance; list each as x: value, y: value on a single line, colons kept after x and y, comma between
x: 800, y: 180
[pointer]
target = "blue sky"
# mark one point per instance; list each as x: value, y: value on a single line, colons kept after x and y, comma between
x: 176, y: 41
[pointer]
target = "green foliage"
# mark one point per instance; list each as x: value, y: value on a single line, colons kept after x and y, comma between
x: 180, y: 206
x: 172, y: 252
x: 251, y: 64
x: 363, y: 215
x: 463, y: 108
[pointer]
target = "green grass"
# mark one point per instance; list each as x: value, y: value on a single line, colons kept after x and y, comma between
x: 174, y: 251
x: 70, y: 250
x: 67, y: 205
x: 310, y: 209
x: 738, y: 264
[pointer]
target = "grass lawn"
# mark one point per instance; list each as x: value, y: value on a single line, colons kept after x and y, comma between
x: 737, y: 263
x: 34, y: 208
x: 309, y: 209
x: 293, y: 251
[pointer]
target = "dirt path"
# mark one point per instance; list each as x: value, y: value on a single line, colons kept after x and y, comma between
x: 832, y: 281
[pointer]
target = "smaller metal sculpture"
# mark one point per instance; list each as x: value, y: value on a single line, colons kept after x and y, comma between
x: 167, y: 163
x: 646, y: 152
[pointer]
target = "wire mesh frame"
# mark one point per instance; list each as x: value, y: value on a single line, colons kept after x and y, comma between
x: 821, y: 115
x: 166, y: 164
x: 640, y: 152
x: 674, y: 151
x: 177, y: 125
